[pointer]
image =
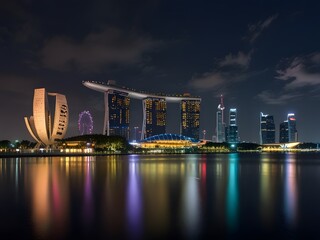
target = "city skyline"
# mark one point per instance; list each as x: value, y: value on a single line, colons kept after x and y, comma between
x: 262, y: 56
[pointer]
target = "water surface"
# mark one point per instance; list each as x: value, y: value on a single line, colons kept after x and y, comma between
x: 257, y: 196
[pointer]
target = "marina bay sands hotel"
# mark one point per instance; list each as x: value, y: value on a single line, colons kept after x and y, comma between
x: 117, y: 110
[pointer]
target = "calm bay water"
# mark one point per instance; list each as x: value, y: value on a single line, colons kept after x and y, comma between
x: 258, y: 196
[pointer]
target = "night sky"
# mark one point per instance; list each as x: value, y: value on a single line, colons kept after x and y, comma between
x: 261, y: 55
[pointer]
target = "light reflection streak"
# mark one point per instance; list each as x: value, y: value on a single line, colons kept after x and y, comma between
x: 17, y: 173
x: 232, y: 193
x: 39, y: 175
x: 88, y: 202
x: 191, y: 202
x: 290, y: 192
x: 220, y: 192
x: 156, y: 194
x: 60, y: 200
x: 266, y: 191
x: 203, y: 177
x: 134, y: 204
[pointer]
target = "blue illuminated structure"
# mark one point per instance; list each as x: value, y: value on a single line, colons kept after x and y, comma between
x: 168, y: 137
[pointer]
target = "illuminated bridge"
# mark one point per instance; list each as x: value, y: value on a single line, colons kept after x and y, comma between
x: 117, y: 110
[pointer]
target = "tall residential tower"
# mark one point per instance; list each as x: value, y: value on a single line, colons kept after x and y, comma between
x: 267, y: 129
x: 283, y: 132
x: 220, y: 125
x: 292, y: 130
x: 288, y: 131
x: 232, y: 129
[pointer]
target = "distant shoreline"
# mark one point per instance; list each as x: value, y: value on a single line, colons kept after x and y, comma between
x: 16, y: 155
x: 55, y: 154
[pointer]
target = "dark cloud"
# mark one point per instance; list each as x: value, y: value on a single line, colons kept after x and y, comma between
x: 17, y: 84
x: 270, y: 97
x: 228, y: 70
x: 20, y: 23
x: 27, y: 32
x: 297, y: 75
x: 96, y: 50
x: 215, y: 80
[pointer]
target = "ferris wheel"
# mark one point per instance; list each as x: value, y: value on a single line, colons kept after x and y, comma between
x: 85, y: 123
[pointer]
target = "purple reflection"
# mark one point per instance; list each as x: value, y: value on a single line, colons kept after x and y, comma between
x: 290, y: 197
x: 134, y: 204
x: 88, y: 211
x: 59, y: 201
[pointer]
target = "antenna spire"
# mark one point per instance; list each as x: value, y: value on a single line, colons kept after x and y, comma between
x: 221, y: 102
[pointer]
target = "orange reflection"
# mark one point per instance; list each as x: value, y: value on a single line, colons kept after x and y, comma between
x: 268, y: 174
x: 49, y: 195
x: 41, y: 214
x: 59, y: 199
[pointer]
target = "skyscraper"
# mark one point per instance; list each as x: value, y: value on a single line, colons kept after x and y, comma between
x: 43, y: 126
x: 267, y: 129
x: 232, y: 129
x: 117, y: 113
x: 283, y: 132
x: 220, y: 125
x: 190, y: 118
x: 154, y: 119
x: 292, y: 131
x: 288, y: 131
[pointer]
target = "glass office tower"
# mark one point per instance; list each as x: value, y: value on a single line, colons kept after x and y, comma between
x: 220, y: 125
x: 292, y: 130
x: 267, y: 129
x: 232, y: 130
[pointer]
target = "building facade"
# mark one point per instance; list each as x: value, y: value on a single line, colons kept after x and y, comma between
x: 117, y: 114
x: 267, y: 129
x: 154, y: 117
x: 190, y: 118
x: 220, y: 125
x: 288, y: 130
x: 43, y: 126
x: 232, y: 129
x: 292, y: 130
x: 283, y: 132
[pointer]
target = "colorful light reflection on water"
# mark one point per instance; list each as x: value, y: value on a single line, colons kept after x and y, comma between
x: 232, y: 193
x: 136, y: 196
